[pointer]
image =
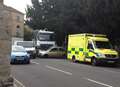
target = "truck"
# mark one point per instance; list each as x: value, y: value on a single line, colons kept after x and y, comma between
x: 43, y: 40
x: 93, y: 48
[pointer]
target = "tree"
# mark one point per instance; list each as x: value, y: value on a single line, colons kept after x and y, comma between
x: 27, y: 33
x: 75, y: 16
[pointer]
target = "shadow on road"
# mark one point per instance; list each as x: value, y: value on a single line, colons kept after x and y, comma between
x: 100, y: 65
x: 52, y: 58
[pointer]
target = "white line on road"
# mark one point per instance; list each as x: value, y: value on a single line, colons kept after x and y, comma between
x: 15, y: 85
x: 19, y: 82
x: 68, y: 73
x: 111, y: 71
x: 97, y: 82
x: 34, y: 62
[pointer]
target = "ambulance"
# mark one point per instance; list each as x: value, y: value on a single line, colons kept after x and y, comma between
x: 93, y: 48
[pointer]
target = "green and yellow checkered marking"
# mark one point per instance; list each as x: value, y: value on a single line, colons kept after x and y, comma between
x: 75, y: 51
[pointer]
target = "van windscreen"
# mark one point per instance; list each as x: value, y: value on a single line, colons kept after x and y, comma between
x: 25, y: 44
x: 103, y: 45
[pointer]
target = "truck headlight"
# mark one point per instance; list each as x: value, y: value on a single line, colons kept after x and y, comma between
x: 100, y: 55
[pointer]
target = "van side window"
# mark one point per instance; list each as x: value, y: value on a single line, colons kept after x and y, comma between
x: 90, y: 46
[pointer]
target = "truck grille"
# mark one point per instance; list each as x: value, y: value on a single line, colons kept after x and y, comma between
x: 110, y: 56
x: 20, y: 56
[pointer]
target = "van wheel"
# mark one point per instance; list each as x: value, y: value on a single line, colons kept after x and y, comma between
x: 116, y: 64
x: 33, y: 56
x: 73, y: 59
x: 28, y: 62
x: 94, y: 62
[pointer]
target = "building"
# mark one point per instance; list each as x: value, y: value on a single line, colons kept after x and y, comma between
x: 15, y: 22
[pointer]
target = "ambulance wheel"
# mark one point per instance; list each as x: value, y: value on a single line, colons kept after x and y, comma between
x: 94, y: 62
x: 73, y: 59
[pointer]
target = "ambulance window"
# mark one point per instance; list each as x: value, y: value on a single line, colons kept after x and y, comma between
x: 90, y: 46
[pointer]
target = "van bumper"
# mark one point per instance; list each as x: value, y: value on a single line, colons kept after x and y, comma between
x: 108, y: 60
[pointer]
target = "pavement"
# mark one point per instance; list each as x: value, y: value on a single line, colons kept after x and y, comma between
x: 63, y: 73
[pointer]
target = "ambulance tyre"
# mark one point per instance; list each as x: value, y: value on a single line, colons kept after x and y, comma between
x: 94, y: 62
x: 116, y: 64
x: 73, y: 59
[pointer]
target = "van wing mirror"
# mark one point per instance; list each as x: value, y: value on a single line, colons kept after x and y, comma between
x: 90, y: 50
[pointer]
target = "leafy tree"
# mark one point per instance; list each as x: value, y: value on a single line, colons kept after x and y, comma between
x: 75, y: 16
x: 27, y: 33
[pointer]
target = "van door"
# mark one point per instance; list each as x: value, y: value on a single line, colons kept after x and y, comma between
x: 90, y: 51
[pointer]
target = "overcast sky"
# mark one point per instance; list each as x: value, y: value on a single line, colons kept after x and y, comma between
x: 18, y: 4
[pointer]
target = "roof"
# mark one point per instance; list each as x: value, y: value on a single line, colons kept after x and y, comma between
x: 12, y: 9
x: 89, y: 34
x: 44, y: 31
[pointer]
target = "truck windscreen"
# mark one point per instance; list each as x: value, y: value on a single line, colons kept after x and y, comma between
x: 103, y: 45
x: 45, y: 46
x: 45, y: 37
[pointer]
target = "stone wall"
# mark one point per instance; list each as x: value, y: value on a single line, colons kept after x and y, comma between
x: 5, y: 49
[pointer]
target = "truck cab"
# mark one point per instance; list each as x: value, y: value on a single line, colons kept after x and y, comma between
x: 43, y: 40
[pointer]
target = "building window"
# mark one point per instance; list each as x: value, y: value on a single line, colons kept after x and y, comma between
x: 18, y: 32
x: 18, y: 18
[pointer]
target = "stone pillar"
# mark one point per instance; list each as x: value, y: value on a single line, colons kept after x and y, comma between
x: 1, y: 1
x: 5, y: 48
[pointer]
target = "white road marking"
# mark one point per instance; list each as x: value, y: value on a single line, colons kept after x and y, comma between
x: 15, y: 85
x: 97, y: 82
x: 19, y: 83
x: 34, y: 62
x: 111, y: 71
x: 68, y: 73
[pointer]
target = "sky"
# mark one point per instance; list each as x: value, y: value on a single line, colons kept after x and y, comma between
x: 20, y: 5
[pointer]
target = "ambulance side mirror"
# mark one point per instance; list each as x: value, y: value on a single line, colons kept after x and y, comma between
x: 90, y: 46
x: 91, y: 50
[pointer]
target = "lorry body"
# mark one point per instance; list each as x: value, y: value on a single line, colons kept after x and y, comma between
x: 43, y: 40
x: 93, y: 48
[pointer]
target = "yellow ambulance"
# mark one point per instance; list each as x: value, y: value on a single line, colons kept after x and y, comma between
x: 93, y: 48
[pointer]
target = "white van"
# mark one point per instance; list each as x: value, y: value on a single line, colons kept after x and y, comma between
x: 29, y: 47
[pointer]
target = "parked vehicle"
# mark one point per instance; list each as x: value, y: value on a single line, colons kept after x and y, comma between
x: 29, y: 47
x: 19, y: 55
x: 93, y: 48
x: 53, y: 52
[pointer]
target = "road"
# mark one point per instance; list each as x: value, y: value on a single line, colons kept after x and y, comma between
x: 63, y: 73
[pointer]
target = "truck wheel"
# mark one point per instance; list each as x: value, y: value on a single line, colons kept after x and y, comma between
x: 34, y: 56
x: 94, y: 62
x: 26, y: 61
x: 73, y: 59
x: 46, y: 56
